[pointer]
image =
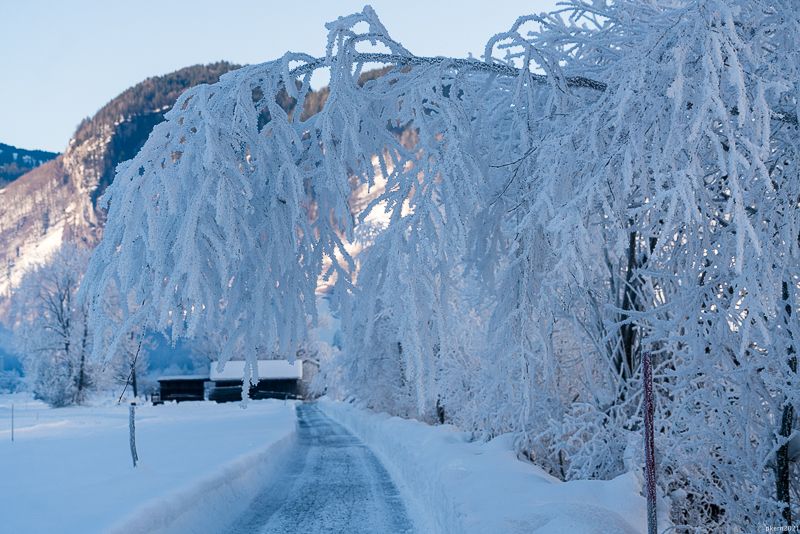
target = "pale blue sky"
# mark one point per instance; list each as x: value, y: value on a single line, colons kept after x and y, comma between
x: 62, y: 60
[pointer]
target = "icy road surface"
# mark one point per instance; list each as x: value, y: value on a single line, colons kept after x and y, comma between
x: 331, y: 483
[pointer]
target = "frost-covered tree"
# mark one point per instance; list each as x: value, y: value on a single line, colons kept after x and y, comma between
x: 614, y: 183
x: 51, y: 330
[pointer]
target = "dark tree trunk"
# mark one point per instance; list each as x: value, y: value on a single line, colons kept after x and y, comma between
x: 440, y: 412
x: 82, y: 382
x: 630, y: 302
x: 627, y: 353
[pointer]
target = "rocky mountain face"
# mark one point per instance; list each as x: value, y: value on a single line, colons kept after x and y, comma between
x: 56, y: 200
x: 118, y: 131
x: 14, y: 162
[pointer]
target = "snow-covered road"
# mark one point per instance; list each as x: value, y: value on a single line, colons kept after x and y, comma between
x: 331, y: 483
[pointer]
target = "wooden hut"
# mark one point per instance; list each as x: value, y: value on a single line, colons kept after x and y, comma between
x: 277, y: 379
x: 180, y: 388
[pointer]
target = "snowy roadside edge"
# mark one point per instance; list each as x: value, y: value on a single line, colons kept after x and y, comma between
x: 212, y: 503
x: 437, y: 502
x: 443, y: 518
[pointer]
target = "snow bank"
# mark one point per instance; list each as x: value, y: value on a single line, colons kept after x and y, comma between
x: 454, y: 486
x: 208, y: 506
x: 69, y: 469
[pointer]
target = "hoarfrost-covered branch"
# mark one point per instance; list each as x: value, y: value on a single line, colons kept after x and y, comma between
x: 505, y: 240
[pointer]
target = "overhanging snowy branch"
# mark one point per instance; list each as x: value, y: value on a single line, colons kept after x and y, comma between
x: 528, y: 243
x: 462, y: 64
x: 456, y: 63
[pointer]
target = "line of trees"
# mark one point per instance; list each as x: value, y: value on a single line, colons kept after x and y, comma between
x: 50, y: 329
x: 615, y: 182
x: 55, y: 341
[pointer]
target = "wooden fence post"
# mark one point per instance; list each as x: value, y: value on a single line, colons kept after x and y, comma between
x: 132, y: 430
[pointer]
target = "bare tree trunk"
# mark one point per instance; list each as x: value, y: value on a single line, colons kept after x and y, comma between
x: 81, y: 386
x: 626, y: 354
x: 629, y: 303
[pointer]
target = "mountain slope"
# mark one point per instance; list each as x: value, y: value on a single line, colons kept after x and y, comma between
x: 35, y: 214
x: 56, y: 200
x: 120, y: 128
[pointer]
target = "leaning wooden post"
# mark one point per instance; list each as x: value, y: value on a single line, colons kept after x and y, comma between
x: 132, y: 429
x: 649, y: 445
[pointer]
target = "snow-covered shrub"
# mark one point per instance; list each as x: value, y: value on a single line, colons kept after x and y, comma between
x: 10, y: 381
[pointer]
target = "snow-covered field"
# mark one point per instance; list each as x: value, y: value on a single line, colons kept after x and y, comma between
x: 201, y: 464
x: 69, y: 469
x: 455, y: 486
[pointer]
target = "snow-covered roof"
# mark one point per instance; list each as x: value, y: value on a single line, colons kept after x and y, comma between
x: 270, y: 369
x: 182, y: 377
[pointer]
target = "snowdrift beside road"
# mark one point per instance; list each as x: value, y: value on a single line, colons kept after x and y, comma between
x: 209, y: 505
x: 69, y: 469
x: 454, y: 486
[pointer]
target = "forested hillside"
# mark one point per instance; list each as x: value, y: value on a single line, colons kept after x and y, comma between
x: 120, y: 128
x: 14, y: 162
